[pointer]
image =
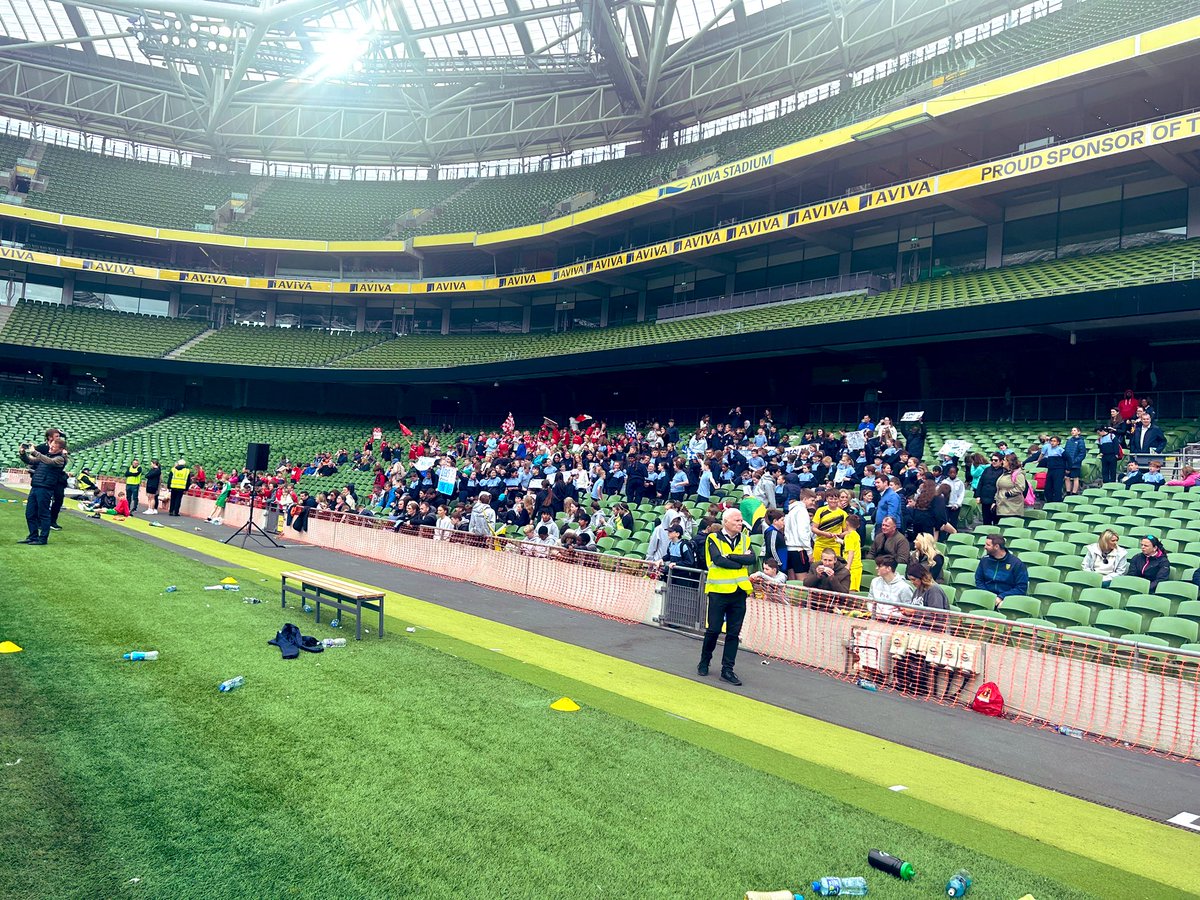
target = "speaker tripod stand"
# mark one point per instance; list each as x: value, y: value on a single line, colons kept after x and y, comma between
x: 252, y: 529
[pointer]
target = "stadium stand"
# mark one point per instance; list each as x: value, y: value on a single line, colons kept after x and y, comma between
x: 26, y: 420
x: 104, y: 187
x: 251, y: 345
x: 89, y: 330
x: 339, y: 210
x: 11, y: 147
x: 143, y: 193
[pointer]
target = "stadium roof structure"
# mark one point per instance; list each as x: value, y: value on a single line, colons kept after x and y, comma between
x: 427, y: 82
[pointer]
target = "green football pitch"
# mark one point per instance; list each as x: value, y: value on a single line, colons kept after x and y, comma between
x: 417, y: 766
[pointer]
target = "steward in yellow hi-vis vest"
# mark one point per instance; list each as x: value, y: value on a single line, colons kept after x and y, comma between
x: 133, y: 485
x: 728, y: 557
x: 180, y: 474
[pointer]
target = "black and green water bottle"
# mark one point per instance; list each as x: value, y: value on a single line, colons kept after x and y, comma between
x: 885, y: 862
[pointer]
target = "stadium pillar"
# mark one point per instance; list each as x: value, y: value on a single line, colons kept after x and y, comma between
x: 360, y: 323
x: 995, y: 245
x: 271, y: 306
x: 844, y: 262
x: 446, y: 320
x: 1193, y: 213
x: 526, y: 317
x: 641, y: 313
x: 68, y: 292
x: 173, y: 304
x: 604, y: 313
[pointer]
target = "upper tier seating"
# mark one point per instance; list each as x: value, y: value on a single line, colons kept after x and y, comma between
x: 96, y: 331
x: 339, y: 210
x: 143, y: 193
x: 104, y: 187
x: 11, y: 147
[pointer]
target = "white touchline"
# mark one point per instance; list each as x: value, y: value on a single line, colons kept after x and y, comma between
x: 1186, y: 819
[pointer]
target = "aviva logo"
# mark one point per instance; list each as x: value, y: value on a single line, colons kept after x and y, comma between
x: 668, y: 189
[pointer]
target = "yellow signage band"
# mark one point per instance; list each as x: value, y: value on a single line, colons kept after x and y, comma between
x: 1136, y: 137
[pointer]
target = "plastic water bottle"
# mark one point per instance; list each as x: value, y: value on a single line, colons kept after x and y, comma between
x: 252, y: 600
x: 333, y: 642
x: 773, y: 895
x: 170, y: 589
x: 867, y: 684
x: 840, y: 887
x: 138, y: 655
x: 1069, y: 731
x: 959, y: 883
x: 335, y: 623
x: 893, y: 866
x: 308, y: 607
x: 232, y: 684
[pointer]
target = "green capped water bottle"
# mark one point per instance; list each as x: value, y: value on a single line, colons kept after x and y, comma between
x: 840, y: 887
x: 959, y: 883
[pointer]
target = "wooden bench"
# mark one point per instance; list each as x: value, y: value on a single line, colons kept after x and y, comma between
x: 342, y: 595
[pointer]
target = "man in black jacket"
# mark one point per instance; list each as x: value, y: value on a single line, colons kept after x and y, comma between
x: 48, y: 469
x: 1146, y: 438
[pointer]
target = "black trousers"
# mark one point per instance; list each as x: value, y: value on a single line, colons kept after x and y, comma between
x: 1108, y: 469
x: 37, y: 513
x: 132, y: 494
x: 729, y: 609
x: 176, y: 500
x: 989, y: 513
x: 56, y: 504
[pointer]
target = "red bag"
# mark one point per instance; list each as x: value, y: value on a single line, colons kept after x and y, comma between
x: 988, y: 700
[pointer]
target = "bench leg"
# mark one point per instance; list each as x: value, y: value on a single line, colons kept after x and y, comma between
x: 381, y: 618
x: 358, y: 620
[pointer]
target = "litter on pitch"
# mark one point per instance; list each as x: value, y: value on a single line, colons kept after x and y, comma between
x: 9, y: 647
x: 565, y: 704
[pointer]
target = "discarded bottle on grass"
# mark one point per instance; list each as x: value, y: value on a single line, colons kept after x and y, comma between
x: 773, y: 895
x: 232, y: 684
x: 308, y: 607
x: 333, y: 642
x: 170, y: 589
x: 252, y: 600
x: 885, y: 862
x: 840, y: 887
x: 959, y: 883
x: 867, y: 684
x: 335, y: 623
x: 1069, y: 731
x: 138, y: 655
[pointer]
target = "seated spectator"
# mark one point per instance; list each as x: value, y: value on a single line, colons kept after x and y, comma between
x: 545, y: 520
x: 107, y: 500
x: 926, y: 591
x: 830, y: 574
x: 1155, y: 476
x: 540, y: 543
x: 85, y: 483
x: 1133, y: 474
x: 122, y: 507
x: 770, y: 581
x: 1151, y: 563
x: 1106, y: 556
x: 888, y: 588
x: 1000, y: 573
x: 445, y: 524
x: 1187, y: 476
x: 889, y: 542
x: 926, y: 553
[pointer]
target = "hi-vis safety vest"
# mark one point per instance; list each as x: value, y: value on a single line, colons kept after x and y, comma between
x: 179, y: 478
x: 134, y: 476
x: 726, y: 581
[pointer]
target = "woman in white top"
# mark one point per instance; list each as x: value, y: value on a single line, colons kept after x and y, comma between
x: 1106, y: 556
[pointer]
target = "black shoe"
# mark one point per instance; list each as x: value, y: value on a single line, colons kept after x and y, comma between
x: 702, y: 669
x: 56, y: 528
x: 28, y: 540
x: 40, y: 542
x: 728, y: 675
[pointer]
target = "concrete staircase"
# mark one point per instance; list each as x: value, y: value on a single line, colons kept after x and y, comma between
x: 5, y: 312
x: 182, y: 348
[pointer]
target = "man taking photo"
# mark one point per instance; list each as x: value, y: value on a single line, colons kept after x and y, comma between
x: 48, y: 469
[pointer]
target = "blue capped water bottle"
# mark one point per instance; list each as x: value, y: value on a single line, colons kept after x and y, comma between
x: 232, y: 684
x: 840, y: 887
x: 959, y: 883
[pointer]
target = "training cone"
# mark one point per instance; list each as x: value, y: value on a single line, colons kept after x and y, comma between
x: 10, y: 647
x: 229, y: 580
x: 565, y: 704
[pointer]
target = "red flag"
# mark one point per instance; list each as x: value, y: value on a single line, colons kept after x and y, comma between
x: 404, y: 429
x: 509, y: 424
